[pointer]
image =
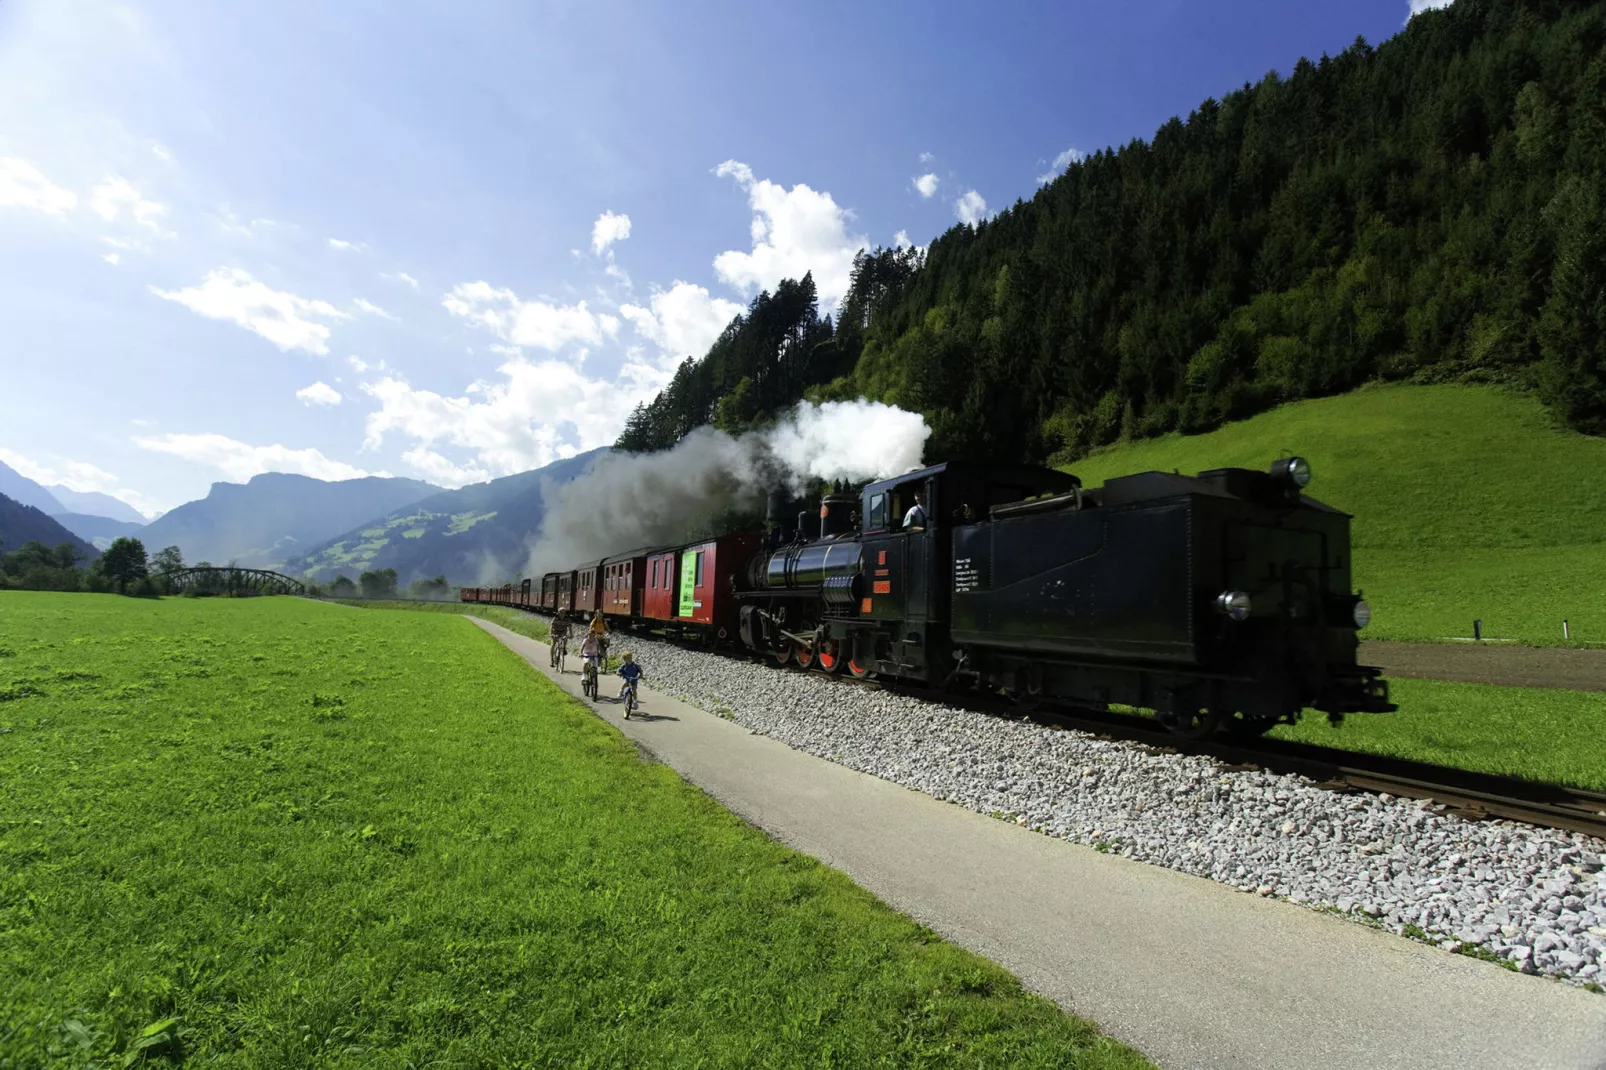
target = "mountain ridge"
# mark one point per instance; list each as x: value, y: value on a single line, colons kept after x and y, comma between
x: 471, y: 534
x: 267, y: 519
x: 21, y: 524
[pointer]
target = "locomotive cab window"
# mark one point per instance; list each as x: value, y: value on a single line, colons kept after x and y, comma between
x: 876, y: 518
x: 905, y: 517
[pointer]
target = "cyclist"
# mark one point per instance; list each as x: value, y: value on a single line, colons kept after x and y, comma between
x: 631, y: 673
x: 591, y: 651
x: 599, y: 631
x: 560, y: 635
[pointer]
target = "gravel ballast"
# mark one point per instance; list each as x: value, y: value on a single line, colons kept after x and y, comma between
x: 1533, y: 898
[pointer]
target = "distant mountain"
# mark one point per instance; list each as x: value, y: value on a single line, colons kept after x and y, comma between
x: 94, y: 503
x: 24, y: 491
x: 23, y: 523
x: 465, y: 534
x: 99, y: 531
x: 276, y: 516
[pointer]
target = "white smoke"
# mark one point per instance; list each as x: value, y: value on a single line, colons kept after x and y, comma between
x: 629, y: 501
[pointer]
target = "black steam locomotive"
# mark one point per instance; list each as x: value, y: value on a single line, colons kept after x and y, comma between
x: 1221, y: 601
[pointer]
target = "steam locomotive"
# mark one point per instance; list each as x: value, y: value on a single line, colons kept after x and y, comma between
x: 1221, y: 601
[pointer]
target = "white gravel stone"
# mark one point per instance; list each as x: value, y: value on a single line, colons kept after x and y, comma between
x: 1533, y: 897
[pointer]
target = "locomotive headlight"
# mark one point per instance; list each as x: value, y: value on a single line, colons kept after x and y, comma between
x: 1293, y: 470
x: 1234, y: 604
x: 1363, y: 613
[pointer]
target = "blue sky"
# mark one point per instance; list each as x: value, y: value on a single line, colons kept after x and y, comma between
x: 455, y: 241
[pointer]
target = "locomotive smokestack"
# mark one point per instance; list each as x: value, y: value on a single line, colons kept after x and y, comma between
x: 775, y: 508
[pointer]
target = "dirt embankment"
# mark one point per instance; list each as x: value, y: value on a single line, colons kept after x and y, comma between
x: 1486, y: 663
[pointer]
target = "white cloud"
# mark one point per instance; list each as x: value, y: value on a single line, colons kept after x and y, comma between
x: 229, y: 223
x: 441, y: 471
x: 346, y: 246
x: 80, y: 476
x: 971, y: 208
x: 240, y: 461
x: 794, y: 231
x: 1061, y: 162
x: 74, y: 475
x: 115, y: 195
x: 282, y: 318
x: 539, y: 412
x: 22, y: 185
x: 1419, y: 6
x: 926, y: 184
x: 529, y: 323
x: 111, y: 258
x: 683, y: 320
x: 401, y: 276
x: 358, y: 365
x: 372, y: 309
x: 161, y: 152
x: 926, y: 157
x: 901, y: 240
x: 608, y: 229
x: 319, y: 393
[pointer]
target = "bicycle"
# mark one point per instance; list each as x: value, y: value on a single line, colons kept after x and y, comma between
x: 560, y: 651
x: 629, y: 698
x: 588, y: 681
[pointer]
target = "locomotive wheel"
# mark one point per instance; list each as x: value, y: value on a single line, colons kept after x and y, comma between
x: 782, y: 656
x: 805, y: 655
x: 1192, y: 724
x: 829, y: 658
x: 856, y: 670
x: 1249, y: 727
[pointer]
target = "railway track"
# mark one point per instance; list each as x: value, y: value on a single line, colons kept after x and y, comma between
x: 1466, y: 794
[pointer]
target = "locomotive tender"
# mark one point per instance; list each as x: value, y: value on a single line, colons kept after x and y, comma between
x: 1222, y: 601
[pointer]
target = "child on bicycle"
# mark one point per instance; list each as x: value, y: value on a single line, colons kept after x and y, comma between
x: 629, y: 670
x: 591, y: 652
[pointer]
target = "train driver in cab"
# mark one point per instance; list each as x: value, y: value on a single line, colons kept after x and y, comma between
x: 915, y: 518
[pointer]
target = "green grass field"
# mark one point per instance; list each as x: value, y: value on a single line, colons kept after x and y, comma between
x: 274, y: 833
x: 1468, y: 504
x: 1543, y: 735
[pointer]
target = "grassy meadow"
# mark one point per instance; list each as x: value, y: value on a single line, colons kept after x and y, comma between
x: 1545, y: 735
x: 276, y: 833
x: 1468, y: 503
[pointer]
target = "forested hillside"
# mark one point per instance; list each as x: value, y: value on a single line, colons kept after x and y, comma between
x: 1427, y: 210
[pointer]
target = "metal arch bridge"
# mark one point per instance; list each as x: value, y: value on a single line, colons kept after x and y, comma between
x: 224, y: 580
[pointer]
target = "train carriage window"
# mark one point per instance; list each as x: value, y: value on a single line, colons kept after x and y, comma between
x: 653, y: 575
x: 697, y: 580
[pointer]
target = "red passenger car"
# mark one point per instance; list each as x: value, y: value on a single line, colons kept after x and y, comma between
x: 704, y: 590
x: 587, y: 590
x: 549, y: 592
x: 623, y: 583
x: 658, y: 592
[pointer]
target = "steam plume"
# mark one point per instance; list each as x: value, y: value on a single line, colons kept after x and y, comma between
x: 628, y: 501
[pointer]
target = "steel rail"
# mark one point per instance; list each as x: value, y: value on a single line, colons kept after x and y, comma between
x: 1465, y: 793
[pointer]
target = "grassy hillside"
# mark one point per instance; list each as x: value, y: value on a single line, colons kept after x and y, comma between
x: 475, y: 534
x: 1468, y: 503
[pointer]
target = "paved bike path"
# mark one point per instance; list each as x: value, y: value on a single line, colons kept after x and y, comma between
x: 1190, y: 972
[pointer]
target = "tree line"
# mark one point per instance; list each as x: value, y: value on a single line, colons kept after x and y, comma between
x: 1428, y: 210
x: 123, y: 568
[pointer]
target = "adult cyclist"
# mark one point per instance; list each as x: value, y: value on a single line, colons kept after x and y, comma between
x: 560, y: 638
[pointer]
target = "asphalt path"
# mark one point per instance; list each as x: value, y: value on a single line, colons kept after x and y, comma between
x: 1188, y: 971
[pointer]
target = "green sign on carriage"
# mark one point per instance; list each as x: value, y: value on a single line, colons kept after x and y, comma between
x: 688, y: 583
